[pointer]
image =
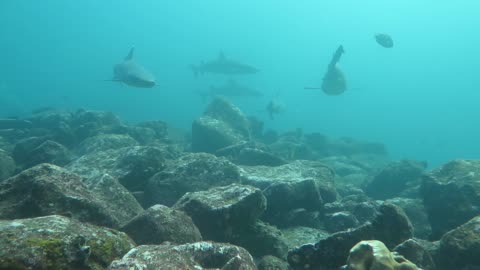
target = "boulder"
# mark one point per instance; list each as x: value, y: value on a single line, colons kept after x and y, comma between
x: 460, y: 247
x: 451, y: 195
x: 103, y: 142
x: 189, y: 173
x: 57, y: 242
x: 395, y: 178
x: 132, y: 166
x: 47, y: 189
x: 301, y: 184
x: 200, y: 255
x: 222, y: 124
x: 391, y: 226
x: 158, y: 224
x: 413, y: 251
x: 220, y: 210
x: 7, y: 165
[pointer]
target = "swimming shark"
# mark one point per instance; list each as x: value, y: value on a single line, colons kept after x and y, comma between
x: 223, y: 65
x: 133, y: 74
x: 231, y: 89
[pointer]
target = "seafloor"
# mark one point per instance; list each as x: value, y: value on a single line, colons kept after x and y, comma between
x: 84, y: 190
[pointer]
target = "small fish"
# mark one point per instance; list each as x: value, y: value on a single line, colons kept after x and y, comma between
x: 133, y: 74
x: 223, y: 65
x: 275, y: 107
x: 384, y: 40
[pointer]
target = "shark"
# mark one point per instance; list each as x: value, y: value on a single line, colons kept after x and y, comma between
x: 223, y: 65
x: 230, y: 89
x: 133, y: 74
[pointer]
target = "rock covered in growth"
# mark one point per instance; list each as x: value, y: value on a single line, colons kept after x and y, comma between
x: 250, y: 154
x: 132, y: 166
x: 413, y: 251
x: 373, y: 255
x: 159, y: 223
x: 90, y: 123
x: 391, y: 226
x: 57, y: 242
x: 417, y: 214
x: 300, y: 184
x: 395, y: 178
x: 48, y: 152
x: 451, y: 195
x: 190, y: 173
x: 340, y: 221
x: 259, y: 239
x: 7, y: 165
x: 272, y: 263
x: 47, y: 189
x: 200, y: 255
x: 219, y: 210
x: 222, y: 124
x: 460, y: 248
x: 103, y: 142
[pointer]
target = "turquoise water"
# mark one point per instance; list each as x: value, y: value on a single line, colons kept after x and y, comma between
x: 420, y: 98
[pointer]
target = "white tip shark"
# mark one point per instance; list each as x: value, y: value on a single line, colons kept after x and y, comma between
x: 223, y: 65
x: 133, y: 74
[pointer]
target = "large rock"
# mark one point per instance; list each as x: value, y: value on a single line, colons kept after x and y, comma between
x: 417, y: 214
x: 391, y: 226
x: 220, y: 210
x: 260, y: 239
x: 222, y: 124
x: 159, y: 224
x: 132, y: 166
x: 103, y: 142
x: 57, y: 242
x: 460, y: 248
x: 396, y: 178
x: 90, y: 123
x: 250, y: 154
x: 451, y: 195
x: 413, y: 251
x: 190, y: 173
x: 301, y: 184
x: 7, y: 165
x: 200, y: 255
x: 47, y: 189
x: 48, y: 152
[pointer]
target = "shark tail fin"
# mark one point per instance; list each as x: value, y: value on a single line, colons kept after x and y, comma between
x: 130, y: 54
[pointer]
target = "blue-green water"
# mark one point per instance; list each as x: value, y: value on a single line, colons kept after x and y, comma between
x: 420, y: 98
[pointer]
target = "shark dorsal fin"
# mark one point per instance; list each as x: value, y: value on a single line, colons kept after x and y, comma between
x: 130, y: 54
x: 221, y: 56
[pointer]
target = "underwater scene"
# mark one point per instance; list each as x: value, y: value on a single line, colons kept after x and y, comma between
x: 238, y: 135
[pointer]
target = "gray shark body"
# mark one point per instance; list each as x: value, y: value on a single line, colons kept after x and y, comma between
x: 133, y: 74
x: 223, y: 65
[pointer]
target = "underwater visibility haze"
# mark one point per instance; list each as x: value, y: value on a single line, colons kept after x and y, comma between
x: 323, y: 135
x: 420, y: 97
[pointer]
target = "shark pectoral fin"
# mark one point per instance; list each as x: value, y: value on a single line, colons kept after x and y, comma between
x: 130, y: 54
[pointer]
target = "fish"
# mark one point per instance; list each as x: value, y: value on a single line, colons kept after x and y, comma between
x: 12, y: 123
x: 223, y: 65
x: 384, y: 40
x: 231, y: 89
x: 133, y: 74
x: 334, y: 81
x: 275, y: 107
